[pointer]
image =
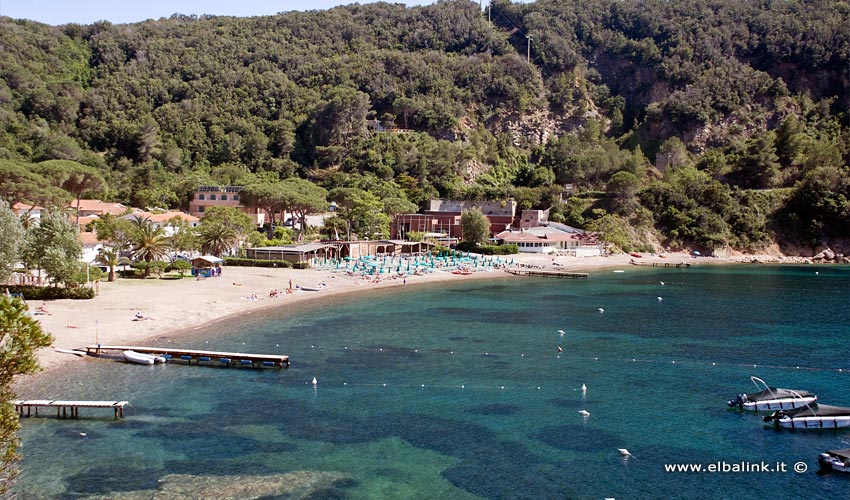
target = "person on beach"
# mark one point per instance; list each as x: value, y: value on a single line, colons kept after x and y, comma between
x: 42, y: 309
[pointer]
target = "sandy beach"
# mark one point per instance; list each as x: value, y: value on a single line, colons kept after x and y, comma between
x: 181, y: 305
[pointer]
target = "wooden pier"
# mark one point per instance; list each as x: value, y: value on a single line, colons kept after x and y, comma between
x: 660, y: 264
x: 67, y: 409
x: 548, y: 274
x: 197, y: 357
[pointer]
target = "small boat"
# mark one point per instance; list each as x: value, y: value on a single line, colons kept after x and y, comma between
x: 309, y: 289
x: 462, y: 272
x: 837, y: 460
x: 813, y: 416
x: 142, y: 358
x: 771, y: 398
x: 636, y: 255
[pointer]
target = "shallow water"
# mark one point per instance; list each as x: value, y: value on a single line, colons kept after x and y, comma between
x: 458, y: 391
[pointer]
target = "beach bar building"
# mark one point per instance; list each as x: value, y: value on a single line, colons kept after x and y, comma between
x: 296, y: 254
x: 207, y: 266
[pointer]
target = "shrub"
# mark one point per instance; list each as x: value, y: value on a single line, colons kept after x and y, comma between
x: 51, y: 293
x: 245, y: 262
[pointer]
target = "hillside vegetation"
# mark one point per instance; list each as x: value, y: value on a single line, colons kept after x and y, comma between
x: 744, y: 104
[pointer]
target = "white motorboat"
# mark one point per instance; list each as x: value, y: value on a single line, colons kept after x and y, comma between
x: 143, y: 358
x: 772, y: 398
x: 813, y: 416
x: 837, y: 460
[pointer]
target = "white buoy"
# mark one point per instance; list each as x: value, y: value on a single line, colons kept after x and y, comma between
x: 624, y: 452
x: 315, y: 382
x: 584, y: 412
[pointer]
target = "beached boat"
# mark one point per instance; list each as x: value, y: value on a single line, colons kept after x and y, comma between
x: 813, y: 416
x: 837, y: 460
x: 142, y: 358
x: 309, y: 289
x: 462, y: 272
x: 772, y: 398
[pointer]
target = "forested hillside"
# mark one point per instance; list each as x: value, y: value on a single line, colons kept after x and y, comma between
x: 694, y: 123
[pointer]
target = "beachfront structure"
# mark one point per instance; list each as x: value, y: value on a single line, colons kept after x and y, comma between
x: 207, y: 266
x: 222, y: 196
x: 296, y: 254
x: 549, y: 239
x: 443, y: 217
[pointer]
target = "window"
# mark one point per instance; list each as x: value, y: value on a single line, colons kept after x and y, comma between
x: 200, y: 208
x: 224, y: 197
x: 212, y: 197
x: 235, y: 197
x: 201, y: 196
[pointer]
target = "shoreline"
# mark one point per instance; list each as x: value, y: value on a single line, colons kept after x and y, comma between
x: 175, y: 308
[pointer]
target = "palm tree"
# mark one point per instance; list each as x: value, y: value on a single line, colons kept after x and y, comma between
x: 149, y: 241
x: 217, y: 238
x: 111, y: 257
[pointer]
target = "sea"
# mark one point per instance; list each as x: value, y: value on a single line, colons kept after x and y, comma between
x: 502, y: 388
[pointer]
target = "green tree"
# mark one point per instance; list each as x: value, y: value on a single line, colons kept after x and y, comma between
x: 149, y: 241
x: 53, y: 245
x: 217, y: 238
x: 475, y: 226
x: 303, y: 198
x: 111, y: 257
x: 13, y: 237
x: 223, y: 229
x: 269, y: 196
x: 20, y: 337
x: 73, y: 177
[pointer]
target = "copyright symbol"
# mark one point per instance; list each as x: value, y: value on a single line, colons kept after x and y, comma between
x: 800, y: 467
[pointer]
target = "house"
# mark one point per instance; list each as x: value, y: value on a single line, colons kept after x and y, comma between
x: 164, y: 219
x: 91, y: 247
x: 98, y: 208
x: 545, y: 239
x: 443, y: 217
x: 33, y: 212
x: 222, y: 196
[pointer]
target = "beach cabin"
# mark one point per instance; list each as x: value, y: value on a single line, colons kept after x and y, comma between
x: 207, y: 266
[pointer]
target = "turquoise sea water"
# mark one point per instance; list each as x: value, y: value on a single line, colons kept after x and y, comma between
x: 458, y: 391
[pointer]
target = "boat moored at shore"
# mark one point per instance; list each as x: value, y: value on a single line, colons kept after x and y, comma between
x: 142, y: 358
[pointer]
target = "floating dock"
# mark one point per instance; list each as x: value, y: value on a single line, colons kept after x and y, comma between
x: 548, y: 274
x: 191, y: 356
x: 67, y: 409
x: 660, y: 264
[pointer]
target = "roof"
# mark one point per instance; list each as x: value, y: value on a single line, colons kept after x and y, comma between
x: 301, y: 249
x: 89, y: 239
x: 212, y: 259
x: 167, y: 216
x: 23, y: 207
x: 100, y: 207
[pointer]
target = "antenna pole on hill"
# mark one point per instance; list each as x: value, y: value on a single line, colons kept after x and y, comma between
x: 528, y: 54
